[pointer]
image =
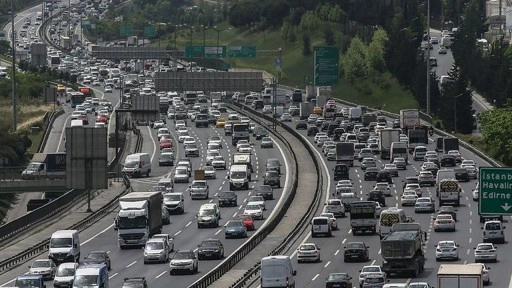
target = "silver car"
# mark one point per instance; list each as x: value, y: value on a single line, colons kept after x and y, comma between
x: 444, y: 222
x: 447, y: 250
x: 181, y: 175
x: 44, y: 267
x: 156, y: 250
x: 486, y: 252
x: 424, y: 204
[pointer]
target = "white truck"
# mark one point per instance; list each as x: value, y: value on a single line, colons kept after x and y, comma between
x: 321, y: 100
x: 46, y: 165
x: 399, y: 149
x: 324, y: 91
x: 306, y: 108
x: 386, y: 138
x: 409, y: 118
x: 355, y: 114
x: 243, y: 159
x: 449, y: 192
x: 139, y: 217
x: 460, y: 275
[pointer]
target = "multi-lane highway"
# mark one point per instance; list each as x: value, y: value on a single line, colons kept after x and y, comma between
x: 467, y: 235
x: 128, y: 263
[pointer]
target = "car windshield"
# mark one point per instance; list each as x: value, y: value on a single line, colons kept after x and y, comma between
x: 65, y: 271
x: 234, y: 224
x: 424, y: 200
x: 206, y: 212
x: 446, y: 244
x: 208, y: 168
x: 172, y: 197
x: 307, y: 247
x: 485, y: 247
x: 27, y: 283
x: 355, y: 246
x: 492, y: 226
x: 227, y: 194
x: 210, y: 244
x: 85, y: 281
x: 41, y: 264
x: 238, y: 174
x: 266, y: 139
x: 181, y: 171
x: 337, y: 276
x: 96, y: 255
x: 199, y: 185
x: 60, y: 242
x: 272, y: 174
x: 252, y: 207
x: 182, y: 255
x: 370, y: 269
x: 154, y: 246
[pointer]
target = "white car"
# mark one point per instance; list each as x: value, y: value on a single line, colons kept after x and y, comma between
x: 472, y: 171
x: 409, y: 197
x: 468, y: 162
x: 242, y: 142
x: 384, y: 187
x: 318, y: 135
x: 255, y: 210
x: 476, y: 193
x: 218, y: 162
x: 424, y: 204
x: 209, y: 172
x: 486, y: 252
x: 244, y: 148
x: 160, y: 124
x: 184, y: 260
x: 108, y: 89
x: 444, y: 222
x: 392, y: 169
x: 370, y: 270
x: 308, y: 252
x: 259, y: 200
x: 447, y: 250
x: 189, y: 140
x: 456, y: 154
x: 267, y: 109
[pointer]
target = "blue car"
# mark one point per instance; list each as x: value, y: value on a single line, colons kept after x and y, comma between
x: 235, y: 229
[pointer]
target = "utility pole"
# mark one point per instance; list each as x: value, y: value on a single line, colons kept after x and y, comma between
x: 428, y: 57
x: 13, y: 63
x: 274, y: 103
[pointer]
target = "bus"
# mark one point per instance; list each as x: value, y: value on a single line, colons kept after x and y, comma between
x: 190, y: 97
x: 390, y: 217
x: 77, y: 98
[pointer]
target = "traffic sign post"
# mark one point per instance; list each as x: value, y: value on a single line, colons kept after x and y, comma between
x: 149, y: 31
x: 326, y: 65
x: 197, y: 51
x: 126, y: 31
x: 495, y: 195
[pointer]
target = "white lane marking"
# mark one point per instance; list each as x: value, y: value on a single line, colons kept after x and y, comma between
x: 234, y: 215
x: 327, y: 264
x: 316, y: 276
x: 188, y: 224
x: 373, y: 262
x: 336, y: 253
x: 94, y: 236
x: 217, y: 233
x: 112, y: 276
x: 344, y: 240
x: 63, y: 133
x: 177, y: 233
x: 159, y: 275
x: 131, y: 264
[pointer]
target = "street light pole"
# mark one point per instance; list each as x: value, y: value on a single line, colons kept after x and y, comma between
x: 428, y: 57
x: 204, y: 49
x: 13, y: 63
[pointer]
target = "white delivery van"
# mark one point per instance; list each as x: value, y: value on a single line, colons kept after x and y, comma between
x: 91, y: 275
x: 77, y: 123
x: 64, y: 247
x: 239, y: 177
x: 138, y: 164
x: 277, y: 271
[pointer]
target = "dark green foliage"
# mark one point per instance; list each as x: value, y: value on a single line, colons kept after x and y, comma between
x: 306, y: 45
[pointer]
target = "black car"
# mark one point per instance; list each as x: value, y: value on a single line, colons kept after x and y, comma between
x: 210, y: 249
x: 273, y: 164
x: 396, y: 123
x: 377, y: 196
x: 312, y: 130
x: 272, y: 178
x: 384, y: 176
x: 461, y: 174
x: 338, y: 280
x: 370, y: 174
x: 259, y: 132
x: 448, y: 161
x: 301, y: 124
x: 266, y: 191
x: 135, y: 282
x: 228, y: 198
x: 355, y: 252
x: 166, y: 159
x: 341, y: 172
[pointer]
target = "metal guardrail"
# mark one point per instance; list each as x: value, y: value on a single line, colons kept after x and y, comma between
x: 252, y: 275
x: 51, y: 209
x: 248, y: 246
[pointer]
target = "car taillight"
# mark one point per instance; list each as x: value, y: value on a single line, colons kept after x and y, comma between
x: 436, y: 222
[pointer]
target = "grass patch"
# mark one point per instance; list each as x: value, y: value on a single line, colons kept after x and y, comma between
x: 36, y: 139
x: 378, y: 91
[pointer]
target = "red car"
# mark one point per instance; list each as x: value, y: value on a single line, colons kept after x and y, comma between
x: 102, y: 118
x: 248, y: 221
x: 165, y: 143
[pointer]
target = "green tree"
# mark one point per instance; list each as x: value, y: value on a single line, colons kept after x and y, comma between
x: 459, y: 103
x: 376, y: 50
x: 306, y: 45
x: 496, y: 129
x: 354, y: 63
x: 329, y: 36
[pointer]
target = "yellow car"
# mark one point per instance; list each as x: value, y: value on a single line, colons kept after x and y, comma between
x: 61, y: 88
x: 220, y: 123
x: 318, y: 111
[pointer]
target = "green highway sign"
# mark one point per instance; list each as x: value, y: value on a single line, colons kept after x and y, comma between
x: 205, y: 51
x: 326, y: 65
x: 242, y: 51
x: 126, y: 31
x: 149, y: 31
x: 495, y: 195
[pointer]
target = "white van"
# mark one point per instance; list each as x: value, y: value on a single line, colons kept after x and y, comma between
x: 444, y: 174
x: 390, y: 217
x: 65, y: 274
x: 91, y: 275
x: 239, y: 177
x: 277, y: 271
x: 321, y: 225
x: 138, y: 164
x: 399, y: 149
x: 77, y: 123
x: 64, y: 246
